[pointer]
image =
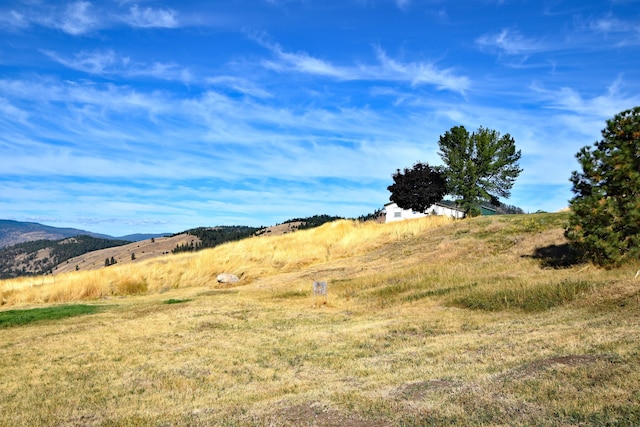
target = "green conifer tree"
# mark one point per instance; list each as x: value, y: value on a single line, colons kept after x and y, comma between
x: 480, y: 167
x: 605, y: 223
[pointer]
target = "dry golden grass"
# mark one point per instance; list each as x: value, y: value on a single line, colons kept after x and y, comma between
x: 396, y: 343
x: 250, y: 259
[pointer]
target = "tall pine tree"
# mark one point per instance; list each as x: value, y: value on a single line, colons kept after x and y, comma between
x: 605, y: 223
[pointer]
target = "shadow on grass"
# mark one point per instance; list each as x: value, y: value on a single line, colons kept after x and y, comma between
x: 557, y: 256
x: 13, y: 318
x: 175, y: 301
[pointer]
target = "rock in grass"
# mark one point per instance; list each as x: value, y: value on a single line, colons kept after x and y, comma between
x: 227, y: 278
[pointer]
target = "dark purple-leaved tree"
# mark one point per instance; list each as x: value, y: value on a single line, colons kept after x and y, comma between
x: 418, y: 188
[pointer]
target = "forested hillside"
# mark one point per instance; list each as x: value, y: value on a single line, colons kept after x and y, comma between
x: 214, y: 236
x: 41, y: 256
x: 313, y: 221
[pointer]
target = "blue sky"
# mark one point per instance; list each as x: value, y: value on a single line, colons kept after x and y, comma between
x: 158, y: 116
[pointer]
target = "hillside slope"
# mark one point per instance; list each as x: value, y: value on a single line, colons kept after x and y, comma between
x: 42, y: 256
x: 131, y: 253
x: 488, y: 321
x: 477, y: 253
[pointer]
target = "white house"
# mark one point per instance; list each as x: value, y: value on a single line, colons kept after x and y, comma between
x: 395, y: 213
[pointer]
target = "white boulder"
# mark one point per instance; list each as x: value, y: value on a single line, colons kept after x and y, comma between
x: 227, y: 278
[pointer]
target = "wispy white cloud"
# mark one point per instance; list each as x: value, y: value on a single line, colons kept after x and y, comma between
x: 82, y: 17
x: 239, y: 84
x: 118, y: 116
x: 78, y: 18
x: 612, y: 24
x: 304, y: 63
x: 300, y: 61
x: 417, y: 73
x: 75, y: 18
x: 387, y: 69
x: 624, y: 32
x: 161, y: 71
x: 509, y: 42
x: 149, y: 17
x: 108, y: 62
x: 13, y: 20
x: 97, y: 62
x: 605, y: 105
x: 278, y: 137
x: 10, y: 111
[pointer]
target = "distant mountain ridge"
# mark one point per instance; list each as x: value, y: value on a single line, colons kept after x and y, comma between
x: 13, y: 232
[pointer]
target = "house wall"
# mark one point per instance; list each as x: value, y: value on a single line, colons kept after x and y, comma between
x: 396, y: 213
x: 446, y: 210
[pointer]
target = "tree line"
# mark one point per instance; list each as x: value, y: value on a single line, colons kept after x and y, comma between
x: 312, y: 221
x: 210, y: 237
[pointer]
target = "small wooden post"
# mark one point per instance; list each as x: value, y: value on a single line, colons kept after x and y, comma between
x: 319, y: 290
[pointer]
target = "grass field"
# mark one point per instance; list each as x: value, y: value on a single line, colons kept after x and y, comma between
x: 489, y: 321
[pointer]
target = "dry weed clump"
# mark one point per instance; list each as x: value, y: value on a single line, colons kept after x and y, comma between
x: 130, y: 286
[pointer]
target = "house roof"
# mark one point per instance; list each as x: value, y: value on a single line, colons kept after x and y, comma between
x: 444, y: 205
x: 452, y: 206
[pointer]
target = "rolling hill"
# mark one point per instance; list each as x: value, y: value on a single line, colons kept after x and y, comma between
x: 43, y: 256
x: 130, y: 253
x: 486, y: 321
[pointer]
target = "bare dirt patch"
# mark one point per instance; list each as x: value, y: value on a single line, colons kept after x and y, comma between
x: 571, y: 360
x: 419, y: 390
